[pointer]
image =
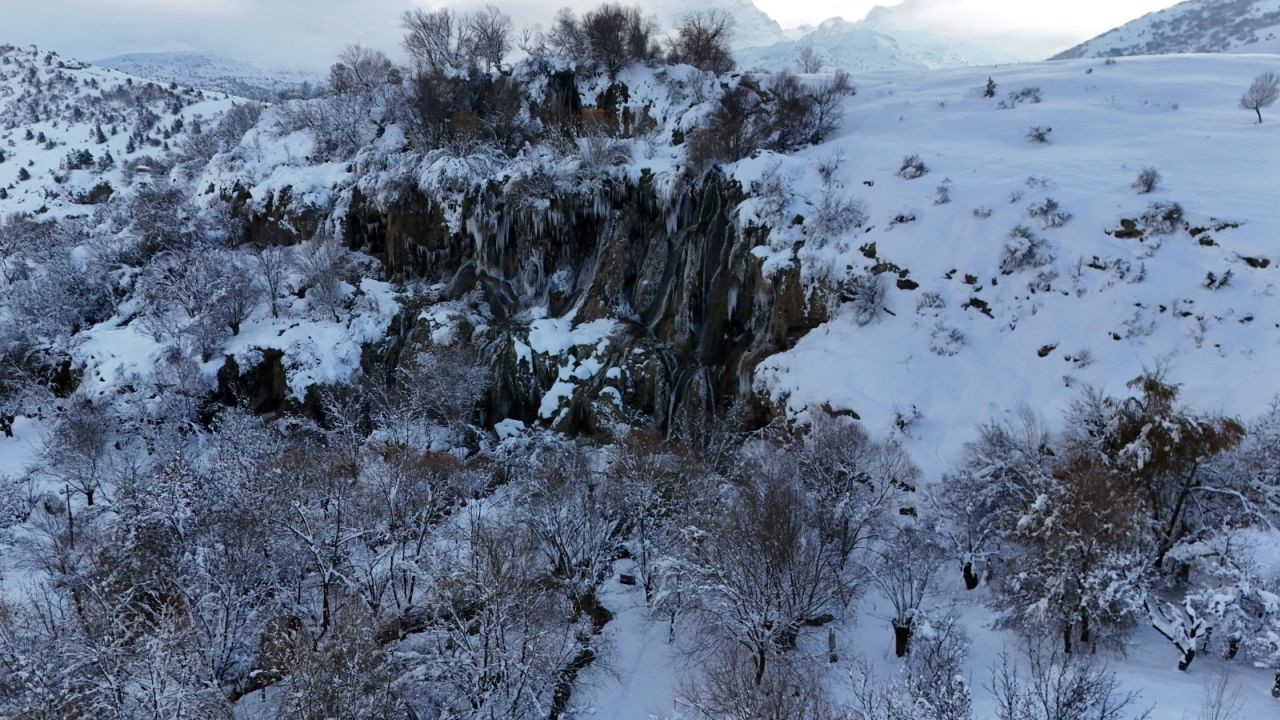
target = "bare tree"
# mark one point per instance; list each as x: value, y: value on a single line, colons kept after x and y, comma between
x: 758, y: 571
x: 80, y: 452
x: 273, y: 267
x: 611, y: 37
x: 904, y: 571
x: 702, y: 40
x: 489, y: 30
x: 1221, y: 699
x: 436, y: 40
x: 809, y: 61
x: 728, y: 691
x: 323, y: 271
x: 1264, y: 91
x: 361, y: 69
x: 1057, y: 686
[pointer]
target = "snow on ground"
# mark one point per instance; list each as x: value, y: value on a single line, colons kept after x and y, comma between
x: 1105, y: 308
x: 1147, y: 305
x: 1234, y: 26
x: 640, y: 672
x: 75, y: 101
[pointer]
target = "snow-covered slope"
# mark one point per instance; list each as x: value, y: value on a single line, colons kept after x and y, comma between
x: 961, y: 342
x: 212, y: 72
x: 1195, y: 26
x: 1104, y: 304
x: 67, y: 128
x: 863, y: 47
x: 957, y: 270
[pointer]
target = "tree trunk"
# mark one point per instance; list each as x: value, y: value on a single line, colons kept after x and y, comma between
x: 1275, y: 689
x: 760, y: 665
x: 970, y: 579
x: 901, y: 638
x: 1187, y: 657
x: 1259, y: 111
x: 1066, y: 638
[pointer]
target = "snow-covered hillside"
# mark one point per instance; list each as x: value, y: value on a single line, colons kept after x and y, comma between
x: 1016, y: 273
x: 1096, y: 304
x: 578, y: 383
x: 1194, y: 26
x: 962, y: 340
x: 213, y: 72
x: 73, y: 134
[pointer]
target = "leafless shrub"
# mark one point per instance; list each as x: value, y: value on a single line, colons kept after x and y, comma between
x: 1040, y: 134
x: 1147, y: 181
x: 809, y: 61
x: 1057, y: 686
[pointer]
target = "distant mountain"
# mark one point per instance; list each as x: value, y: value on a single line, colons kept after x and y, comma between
x: 1195, y: 26
x: 868, y: 46
x: 213, y: 72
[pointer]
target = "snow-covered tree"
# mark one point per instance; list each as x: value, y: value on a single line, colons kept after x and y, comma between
x: 1264, y: 91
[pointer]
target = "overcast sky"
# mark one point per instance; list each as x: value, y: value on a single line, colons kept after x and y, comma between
x: 308, y: 33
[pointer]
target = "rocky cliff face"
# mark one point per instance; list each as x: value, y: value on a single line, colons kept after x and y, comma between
x: 694, y: 310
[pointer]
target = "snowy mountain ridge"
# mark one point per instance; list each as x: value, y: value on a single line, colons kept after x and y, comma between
x: 1194, y: 26
x: 864, y: 46
x: 212, y: 72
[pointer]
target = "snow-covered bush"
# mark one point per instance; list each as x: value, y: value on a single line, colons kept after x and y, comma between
x: 1049, y: 213
x: 1162, y: 218
x: 945, y: 341
x: 912, y: 167
x: 1024, y: 250
x: 1022, y: 95
x: 865, y: 294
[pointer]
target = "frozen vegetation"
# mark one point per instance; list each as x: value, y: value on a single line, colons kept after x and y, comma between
x: 617, y: 383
